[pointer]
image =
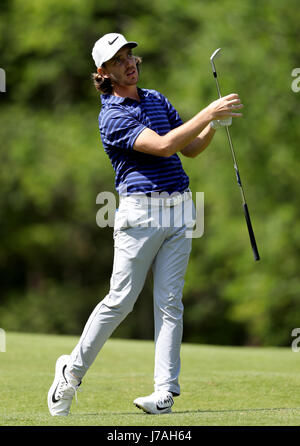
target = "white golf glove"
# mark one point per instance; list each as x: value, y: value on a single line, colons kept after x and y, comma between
x: 219, y: 123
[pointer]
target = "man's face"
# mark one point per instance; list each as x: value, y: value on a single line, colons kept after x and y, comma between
x: 121, y: 69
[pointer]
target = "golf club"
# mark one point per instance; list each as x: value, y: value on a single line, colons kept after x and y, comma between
x: 246, y: 211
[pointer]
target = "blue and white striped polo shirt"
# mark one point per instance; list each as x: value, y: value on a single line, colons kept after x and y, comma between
x: 121, y: 120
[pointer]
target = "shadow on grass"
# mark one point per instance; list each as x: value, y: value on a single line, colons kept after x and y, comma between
x: 235, y: 410
x: 177, y: 412
x: 108, y: 414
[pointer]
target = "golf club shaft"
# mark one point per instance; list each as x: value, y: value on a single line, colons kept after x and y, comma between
x: 238, y: 177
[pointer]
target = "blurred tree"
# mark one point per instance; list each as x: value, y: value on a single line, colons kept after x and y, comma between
x: 55, y: 262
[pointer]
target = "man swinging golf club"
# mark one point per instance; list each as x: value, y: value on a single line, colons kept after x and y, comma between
x: 142, y: 134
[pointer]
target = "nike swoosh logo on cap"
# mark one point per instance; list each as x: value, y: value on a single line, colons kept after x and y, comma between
x: 113, y: 41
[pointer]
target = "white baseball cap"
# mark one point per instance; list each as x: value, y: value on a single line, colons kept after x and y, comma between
x: 107, y: 46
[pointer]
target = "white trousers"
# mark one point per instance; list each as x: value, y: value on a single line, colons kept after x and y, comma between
x: 145, y: 236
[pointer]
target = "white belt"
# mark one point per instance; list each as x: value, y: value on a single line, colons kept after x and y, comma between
x: 157, y: 199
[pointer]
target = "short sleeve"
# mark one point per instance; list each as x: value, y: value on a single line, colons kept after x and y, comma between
x: 173, y: 115
x: 118, y: 128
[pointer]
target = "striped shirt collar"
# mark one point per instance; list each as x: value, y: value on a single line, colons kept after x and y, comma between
x: 108, y: 99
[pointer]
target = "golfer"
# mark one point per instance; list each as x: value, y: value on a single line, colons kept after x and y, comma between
x: 142, y: 134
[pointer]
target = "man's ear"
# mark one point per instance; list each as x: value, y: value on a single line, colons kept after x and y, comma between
x: 102, y: 72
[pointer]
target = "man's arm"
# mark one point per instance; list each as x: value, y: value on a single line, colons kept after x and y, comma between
x: 199, y: 143
x: 181, y: 137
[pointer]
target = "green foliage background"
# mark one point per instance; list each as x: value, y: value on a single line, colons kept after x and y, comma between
x: 55, y: 262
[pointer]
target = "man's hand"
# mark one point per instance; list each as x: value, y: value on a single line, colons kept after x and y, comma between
x: 225, y: 107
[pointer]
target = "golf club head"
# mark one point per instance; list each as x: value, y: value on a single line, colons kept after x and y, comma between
x: 212, y: 57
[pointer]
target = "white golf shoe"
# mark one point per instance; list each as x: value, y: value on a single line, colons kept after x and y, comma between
x: 63, y: 389
x: 157, y: 403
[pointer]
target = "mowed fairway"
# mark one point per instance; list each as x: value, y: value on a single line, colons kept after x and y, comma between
x: 220, y: 385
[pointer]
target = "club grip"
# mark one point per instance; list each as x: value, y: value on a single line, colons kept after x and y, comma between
x: 251, y: 233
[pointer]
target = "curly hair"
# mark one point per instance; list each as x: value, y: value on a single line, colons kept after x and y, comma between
x: 104, y: 84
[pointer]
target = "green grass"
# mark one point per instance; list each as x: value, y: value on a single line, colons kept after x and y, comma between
x: 220, y: 385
